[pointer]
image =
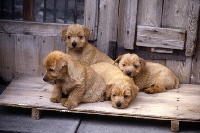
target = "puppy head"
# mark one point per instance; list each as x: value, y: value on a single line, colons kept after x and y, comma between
x: 122, y: 94
x: 54, y: 64
x: 130, y: 64
x: 76, y: 36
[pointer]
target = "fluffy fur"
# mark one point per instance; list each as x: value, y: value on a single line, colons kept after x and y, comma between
x: 70, y: 77
x: 148, y: 76
x: 120, y: 88
x: 76, y: 38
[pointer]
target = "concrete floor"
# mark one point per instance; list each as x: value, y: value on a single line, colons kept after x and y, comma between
x: 18, y: 120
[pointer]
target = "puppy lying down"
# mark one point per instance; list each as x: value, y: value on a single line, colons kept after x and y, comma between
x: 120, y: 88
x: 70, y: 77
x: 148, y: 76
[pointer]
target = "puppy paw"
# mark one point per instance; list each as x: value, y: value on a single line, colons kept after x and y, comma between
x: 55, y: 99
x: 149, y: 91
x: 102, y: 99
x: 70, y: 104
x: 63, y: 101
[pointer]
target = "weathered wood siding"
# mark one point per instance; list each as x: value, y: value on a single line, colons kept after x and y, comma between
x: 23, y: 45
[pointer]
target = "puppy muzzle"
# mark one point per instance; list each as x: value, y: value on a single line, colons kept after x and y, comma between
x: 118, y: 104
x: 74, y: 44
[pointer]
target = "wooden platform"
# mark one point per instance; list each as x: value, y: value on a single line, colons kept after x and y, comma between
x: 176, y: 105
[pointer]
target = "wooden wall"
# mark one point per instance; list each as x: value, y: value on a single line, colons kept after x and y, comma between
x: 174, y: 14
x: 23, y: 45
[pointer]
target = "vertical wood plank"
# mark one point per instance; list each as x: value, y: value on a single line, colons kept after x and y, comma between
x: 195, y: 72
x: 107, y: 29
x: 1, y: 54
x: 127, y: 23
x: 59, y: 44
x: 91, y: 17
x: 176, y: 17
x: 7, y: 56
x: 192, y: 26
x: 174, y: 125
x: 28, y: 9
x: 26, y: 56
x: 45, y: 48
x: 150, y: 12
x: 35, y: 114
x: 19, y: 55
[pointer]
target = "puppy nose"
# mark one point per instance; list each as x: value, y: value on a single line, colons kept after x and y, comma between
x: 118, y: 104
x: 45, y: 80
x: 128, y: 73
x: 74, y: 44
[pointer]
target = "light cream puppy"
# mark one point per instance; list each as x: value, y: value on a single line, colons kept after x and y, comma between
x: 120, y: 88
x: 76, y: 38
x: 70, y: 77
x: 148, y: 76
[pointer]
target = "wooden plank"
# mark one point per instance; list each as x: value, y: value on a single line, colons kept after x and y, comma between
x: 147, y: 54
x: 107, y: 29
x: 155, y: 106
x: 181, y: 69
x: 162, y: 50
x: 59, y: 44
x: 35, y: 114
x: 46, y: 46
x: 91, y: 17
x: 27, y: 58
x: 195, y: 71
x: 127, y: 23
x: 160, y: 37
x: 176, y: 16
x: 7, y: 56
x: 174, y: 126
x: 1, y: 54
x: 150, y: 12
x: 28, y: 9
x: 31, y: 28
x: 192, y: 26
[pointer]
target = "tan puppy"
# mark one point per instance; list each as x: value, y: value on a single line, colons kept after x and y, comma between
x: 148, y: 76
x: 76, y: 37
x: 122, y: 89
x: 70, y: 77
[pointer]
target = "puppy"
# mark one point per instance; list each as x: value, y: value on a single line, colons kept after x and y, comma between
x: 148, y: 76
x: 70, y: 77
x: 120, y: 88
x: 76, y: 37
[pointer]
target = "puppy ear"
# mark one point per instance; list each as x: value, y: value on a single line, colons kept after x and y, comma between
x: 63, y: 33
x: 87, y: 32
x: 118, y: 60
x: 143, y: 63
x: 134, y: 90
x: 60, y: 64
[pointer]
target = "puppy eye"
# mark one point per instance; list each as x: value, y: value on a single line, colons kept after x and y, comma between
x: 125, y: 96
x: 51, y: 70
x: 80, y: 37
x: 69, y: 37
x: 135, y: 66
x: 114, y: 95
x: 124, y: 64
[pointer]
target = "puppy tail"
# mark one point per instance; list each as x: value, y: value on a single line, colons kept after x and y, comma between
x: 176, y: 83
